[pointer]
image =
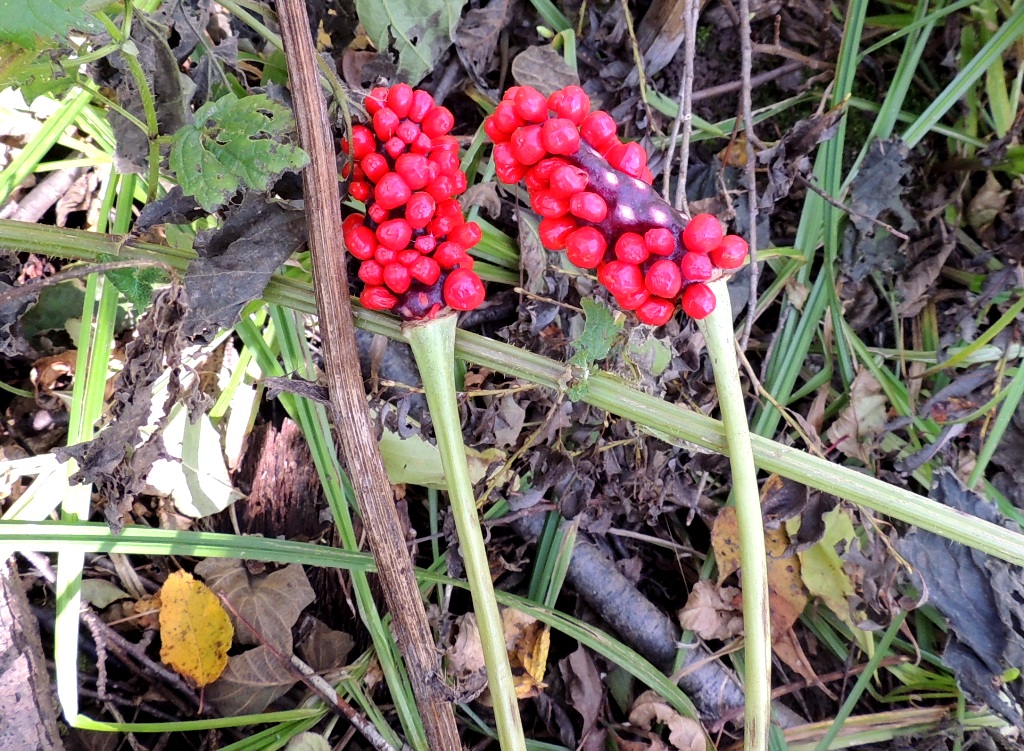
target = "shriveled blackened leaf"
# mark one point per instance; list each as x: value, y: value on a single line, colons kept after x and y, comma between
x: 543, y: 69
x: 982, y: 598
x: 476, y: 39
x: 118, y: 459
x: 188, y: 19
x: 812, y: 522
x: 782, y: 499
x: 12, y: 307
x: 166, y: 82
x: 307, y: 389
x: 236, y: 261
x: 876, y: 194
x: 174, y: 208
x: 789, y: 159
x: 914, y: 285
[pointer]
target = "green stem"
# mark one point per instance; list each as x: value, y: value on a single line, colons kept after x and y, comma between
x: 718, y: 333
x: 433, y: 346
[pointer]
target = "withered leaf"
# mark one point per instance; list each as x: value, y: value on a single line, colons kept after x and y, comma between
x: 250, y: 683
x: 195, y: 631
x: 711, y: 611
x: 476, y: 39
x: 684, y: 733
x: 324, y: 648
x: 788, y: 160
x: 586, y: 690
x: 861, y: 420
x: 544, y: 69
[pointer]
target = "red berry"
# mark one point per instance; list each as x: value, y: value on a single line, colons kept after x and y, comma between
x: 420, y: 144
x: 414, y: 169
x: 496, y: 134
x: 447, y: 162
x: 555, y: 99
x: 589, y: 207
x: 731, y: 253
x: 407, y: 131
x: 394, y: 234
x: 627, y: 157
x: 510, y: 95
x: 620, y: 277
x: 527, y: 144
x: 361, y: 242
x: 400, y: 99
x: 632, y: 300
x: 408, y: 257
x: 530, y: 104
x: 463, y: 290
x: 536, y: 180
x: 698, y: 301
x: 553, y: 232
x: 425, y: 244
x: 660, y: 241
x: 647, y: 176
x: 664, y: 278
x: 466, y: 235
x: 630, y: 248
x: 508, y: 169
x: 384, y: 123
x: 560, y: 136
x: 586, y: 247
x: 422, y: 103
x: 394, y: 146
x: 696, y: 267
x: 425, y: 270
x: 377, y: 298
x: 371, y: 272
x: 419, y: 210
x: 375, y: 166
x: 505, y: 118
x: 437, y: 122
x: 568, y: 180
x: 377, y: 213
x: 598, y: 129
x: 397, y: 277
x: 448, y: 254
x: 573, y: 105
x: 351, y: 222
x: 391, y: 192
x: 359, y: 190
x: 376, y: 99
x: 384, y: 256
x: 655, y: 312
x: 548, y: 205
x: 703, y: 234
x: 363, y: 141
x: 443, y: 188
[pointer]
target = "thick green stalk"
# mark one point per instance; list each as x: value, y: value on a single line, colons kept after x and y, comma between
x: 718, y: 334
x: 433, y: 346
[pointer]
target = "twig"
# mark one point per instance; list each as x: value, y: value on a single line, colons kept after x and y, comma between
x: 759, y: 80
x: 779, y: 51
x: 684, y: 117
x: 348, y: 399
x: 324, y: 691
x: 843, y: 207
x: 751, y: 177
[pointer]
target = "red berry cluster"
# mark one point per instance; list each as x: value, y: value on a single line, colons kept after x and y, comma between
x: 595, y: 198
x: 413, y: 238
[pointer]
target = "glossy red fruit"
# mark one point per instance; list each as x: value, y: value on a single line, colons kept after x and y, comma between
x: 375, y: 166
x: 377, y: 213
x: 585, y: 247
x: 363, y: 141
x: 384, y: 255
x: 425, y: 270
x: 377, y: 298
x: 385, y: 122
x: 731, y: 253
x: 419, y: 210
x: 496, y: 134
x: 425, y: 244
x: 397, y: 277
x: 549, y: 205
x: 442, y: 188
x: 620, y: 278
x: 394, y: 234
x: 663, y: 278
x: 414, y: 169
x: 536, y: 180
x: 408, y: 257
x: 574, y: 104
x: 463, y: 290
x: 553, y: 232
x: 655, y: 312
x: 351, y: 222
x: 527, y: 145
x: 448, y: 254
x: 632, y: 300
x: 630, y: 248
x: 703, y: 234
x: 422, y: 103
x: 400, y: 99
x: 371, y: 272
x: 421, y: 144
x: 598, y: 129
x: 698, y: 301
x: 391, y: 192
x: 660, y: 241
x: 567, y: 180
x: 508, y: 169
x: 407, y: 132
x: 696, y: 267
x: 505, y: 118
x: 627, y: 157
x: 376, y: 99
x: 359, y: 190
x: 530, y: 104
x: 466, y: 235
x: 589, y: 207
x: 438, y: 122
x: 560, y: 136
x: 361, y: 242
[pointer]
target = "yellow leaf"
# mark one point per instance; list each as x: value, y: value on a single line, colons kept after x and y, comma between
x: 195, y: 631
x: 527, y: 641
x: 822, y: 568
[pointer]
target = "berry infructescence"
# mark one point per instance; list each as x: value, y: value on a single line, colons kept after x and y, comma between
x: 413, y: 238
x: 596, y: 203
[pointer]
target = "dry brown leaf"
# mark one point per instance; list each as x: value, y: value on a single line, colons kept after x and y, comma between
x: 787, y: 648
x: 527, y: 641
x: 251, y: 681
x: 684, y: 734
x: 466, y: 658
x: 195, y: 631
x: 787, y: 597
x: 712, y: 611
x: 324, y: 648
x: 271, y: 604
x: 863, y: 418
x: 584, y: 686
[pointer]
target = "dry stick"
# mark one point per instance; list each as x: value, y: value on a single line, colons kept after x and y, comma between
x: 350, y: 412
x: 759, y: 80
x: 751, y: 179
x: 684, y: 117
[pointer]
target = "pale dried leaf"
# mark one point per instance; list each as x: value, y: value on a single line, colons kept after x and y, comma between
x: 684, y: 734
x: 862, y: 419
x: 250, y: 683
x: 324, y: 648
x: 711, y: 611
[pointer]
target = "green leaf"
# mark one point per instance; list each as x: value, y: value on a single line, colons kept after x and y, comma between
x: 233, y: 143
x: 419, y: 30
x: 27, y: 22
x: 600, y: 330
x: 135, y: 284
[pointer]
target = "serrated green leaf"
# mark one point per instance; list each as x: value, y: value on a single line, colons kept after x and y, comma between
x: 135, y: 284
x: 232, y: 144
x: 27, y: 22
x: 600, y: 330
x: 419, y: 30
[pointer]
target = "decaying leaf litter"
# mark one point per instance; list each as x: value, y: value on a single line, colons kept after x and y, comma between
x: 927, y: 260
